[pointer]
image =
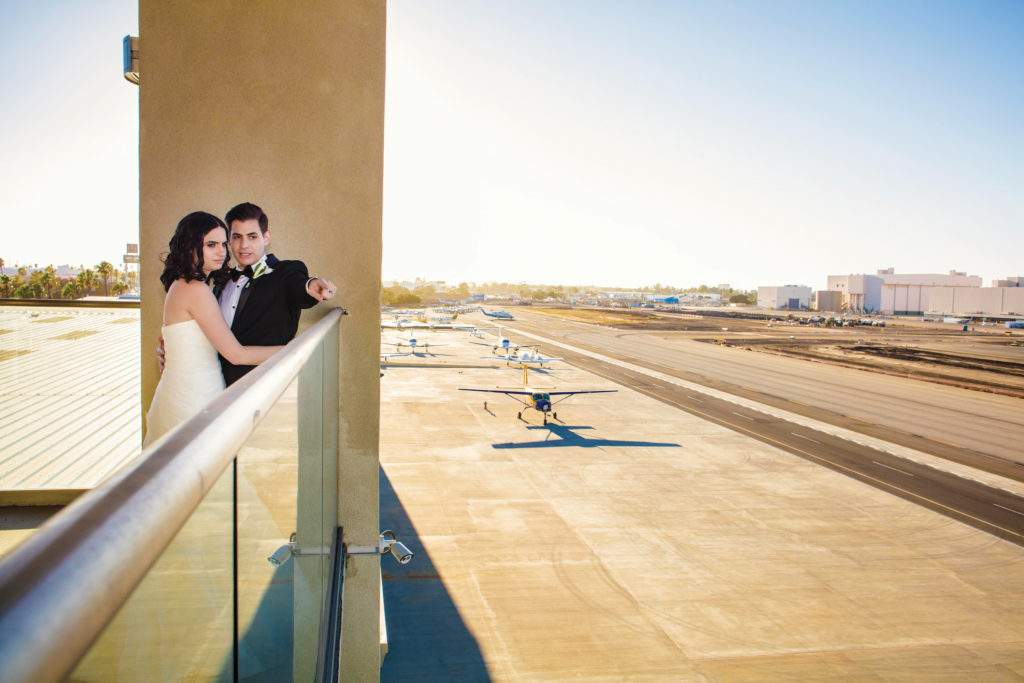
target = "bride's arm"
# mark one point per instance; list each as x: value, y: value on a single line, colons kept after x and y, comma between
x: 203, y: 307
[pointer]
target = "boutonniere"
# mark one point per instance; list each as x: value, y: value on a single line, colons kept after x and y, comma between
x: 260, y: 269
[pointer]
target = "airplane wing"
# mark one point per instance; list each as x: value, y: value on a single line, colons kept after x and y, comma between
x: 511, y: 393
x: 507, y: 392
x: 567, y: 394
x: 589, y: 391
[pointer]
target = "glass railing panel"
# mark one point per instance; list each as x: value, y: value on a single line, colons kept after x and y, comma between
x: 267, y: 491
x: 178, y: 623
x: 281, y: 496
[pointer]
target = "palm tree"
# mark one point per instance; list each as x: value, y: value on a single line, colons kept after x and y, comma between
x: 85, y: 281
x: 5, y: 286
x: 105, y: 269
x: 2, y: 267
x: 30, y: 290
x: 70, y: 290
x: 119, y: 288
x: 35, y: 283
x: 48, y: 280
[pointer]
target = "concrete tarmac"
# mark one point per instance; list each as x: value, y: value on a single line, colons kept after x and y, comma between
x: 634, y: 540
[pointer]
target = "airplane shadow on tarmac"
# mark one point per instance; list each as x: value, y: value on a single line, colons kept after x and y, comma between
x: 569, y: 438
x: 427, y: 638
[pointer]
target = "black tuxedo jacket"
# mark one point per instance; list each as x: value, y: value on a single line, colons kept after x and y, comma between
x: 268, y: 310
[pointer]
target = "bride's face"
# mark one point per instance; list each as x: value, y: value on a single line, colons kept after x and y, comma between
x: 215, y: 250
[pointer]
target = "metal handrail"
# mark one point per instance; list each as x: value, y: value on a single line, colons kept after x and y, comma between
x: 61, y: 588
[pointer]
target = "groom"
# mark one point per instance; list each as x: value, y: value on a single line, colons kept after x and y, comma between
x: 265, y: 297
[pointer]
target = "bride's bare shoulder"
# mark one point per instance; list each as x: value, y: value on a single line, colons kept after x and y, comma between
x: 190, y: 288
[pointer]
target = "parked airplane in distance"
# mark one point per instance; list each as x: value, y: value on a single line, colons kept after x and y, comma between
x: 504, y: 315
x: 476, y: 331
x: 413, y: 343
x: 531, y: 357
x: 504, y: 344
x: 401, y: 323
x: 539, y: 398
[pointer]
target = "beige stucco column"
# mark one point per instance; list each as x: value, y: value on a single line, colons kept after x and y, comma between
x: 280, y: 104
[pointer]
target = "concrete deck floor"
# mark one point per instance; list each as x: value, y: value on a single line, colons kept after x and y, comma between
x: 635, y: 541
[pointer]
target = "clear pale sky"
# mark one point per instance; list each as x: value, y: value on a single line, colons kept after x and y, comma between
x: 607, y: 143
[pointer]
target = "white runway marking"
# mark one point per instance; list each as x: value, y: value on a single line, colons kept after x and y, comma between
x: 894, y: 469
x: 1003, y: 507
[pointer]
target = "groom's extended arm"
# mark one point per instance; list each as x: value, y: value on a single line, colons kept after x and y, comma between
x: 305, y: 291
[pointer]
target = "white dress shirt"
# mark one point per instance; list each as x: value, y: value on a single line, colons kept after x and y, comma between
x: 229, y: 298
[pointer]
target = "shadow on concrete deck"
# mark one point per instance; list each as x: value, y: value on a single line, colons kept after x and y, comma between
x: 427, y: 638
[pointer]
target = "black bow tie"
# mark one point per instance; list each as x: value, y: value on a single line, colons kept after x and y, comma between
x: 247, y: 271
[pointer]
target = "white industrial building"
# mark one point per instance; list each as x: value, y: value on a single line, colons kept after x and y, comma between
x: 984, y: 301
x: 791, y: 297
x: 907, y: 294
x: 955, y: 293
x: 860, y: 293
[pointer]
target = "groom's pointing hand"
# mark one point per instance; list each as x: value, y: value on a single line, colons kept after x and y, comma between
x: 321, y: 289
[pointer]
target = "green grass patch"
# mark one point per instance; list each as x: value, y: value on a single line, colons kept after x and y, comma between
x: 7, y: 354
x: 122, y: 321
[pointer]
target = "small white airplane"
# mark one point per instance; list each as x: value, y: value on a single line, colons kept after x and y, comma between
x: 538, y: 398
x: 413, y: 343
x: 504, y: 344
x: 401, y: 323
x: 530, y: 357
x: 475, y: 331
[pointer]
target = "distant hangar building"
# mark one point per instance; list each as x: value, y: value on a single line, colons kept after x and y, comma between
x: 955, y: 293
x: 859, y: 293
x: 787, y: 297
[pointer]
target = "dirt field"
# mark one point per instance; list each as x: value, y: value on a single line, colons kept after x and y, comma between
x: 983, y: 358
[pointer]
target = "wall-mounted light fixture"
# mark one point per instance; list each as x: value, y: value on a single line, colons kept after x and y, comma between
x: 387, y: 545
x: 130, y: 57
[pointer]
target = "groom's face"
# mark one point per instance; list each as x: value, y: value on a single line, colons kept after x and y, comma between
x: 248, y: 243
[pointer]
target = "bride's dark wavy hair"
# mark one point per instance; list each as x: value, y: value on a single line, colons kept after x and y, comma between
x: 185, y: 260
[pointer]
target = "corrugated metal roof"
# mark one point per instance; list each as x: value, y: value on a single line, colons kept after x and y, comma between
x: 69, y: 395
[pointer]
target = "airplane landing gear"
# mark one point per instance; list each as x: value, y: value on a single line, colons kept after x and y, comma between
x: 545, y: 418
x: 519, y: 415
x: 555, y: 415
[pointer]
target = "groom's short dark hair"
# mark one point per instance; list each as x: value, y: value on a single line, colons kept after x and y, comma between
x: 246, y: 212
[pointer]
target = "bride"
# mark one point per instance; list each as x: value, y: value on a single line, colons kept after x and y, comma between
x: 194, y: 330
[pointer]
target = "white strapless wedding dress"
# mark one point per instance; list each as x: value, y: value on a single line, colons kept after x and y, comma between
x: 191, y: 379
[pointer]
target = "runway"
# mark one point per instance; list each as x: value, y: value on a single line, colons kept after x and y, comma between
x: 932, y: 419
